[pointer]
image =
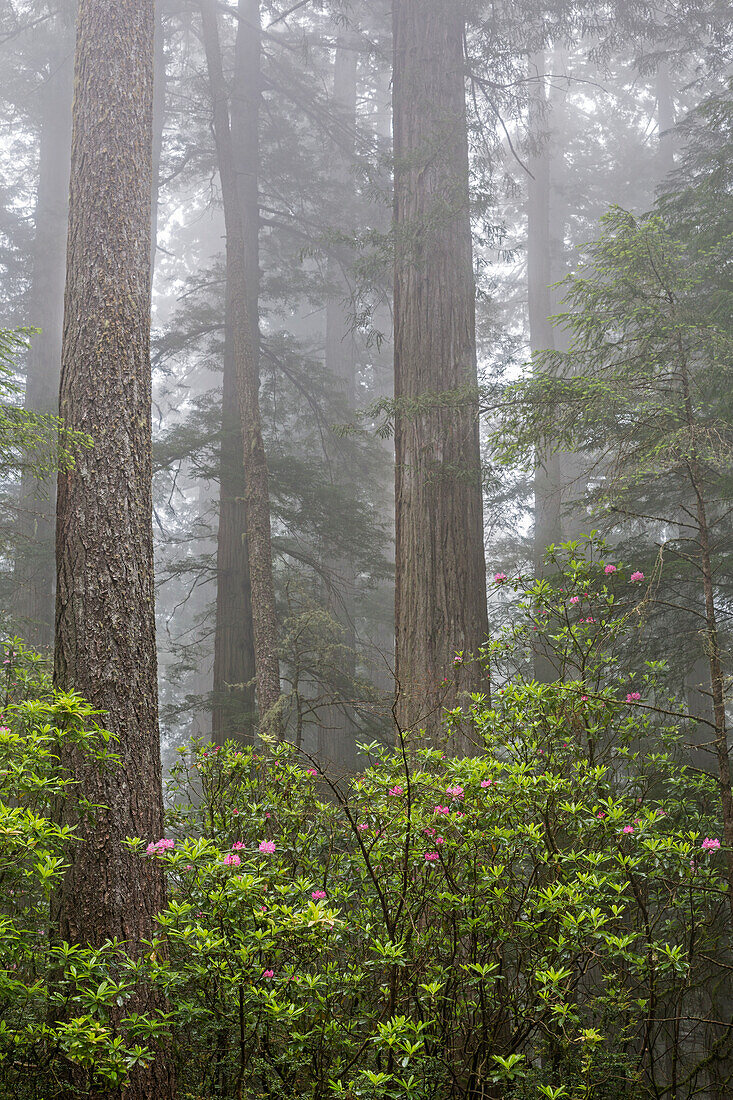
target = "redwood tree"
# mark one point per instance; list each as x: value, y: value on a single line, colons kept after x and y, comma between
x: 33, y: 601
x: 257, y: 495
x: 105, y: 629
x: 234, y: 652
x: 440, y: 601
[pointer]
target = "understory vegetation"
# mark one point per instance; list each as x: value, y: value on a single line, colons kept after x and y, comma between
x: 547, y: 916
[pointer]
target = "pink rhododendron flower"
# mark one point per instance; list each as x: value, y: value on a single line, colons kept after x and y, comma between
x: 500, y: 577
x: 267, y: 846
x: 575, y: 599
x: 628, y: 829
x: 486, y: 782
x: 441, y: 809
x: 232, y: 860
x: 161, y: 845
x: 311, y: 771
x: 237, y: 845
x: 439, y: 840
x: 601, y: 814
x: 633, y: 696
x: 637, y: 576
x: 362, y: 827
x: 584, y: 698
x: 268, y: 973
x: 710, y: 843
x: 431, y: 857
x: 610, y: 569
x: 318, y: 895
x: 395, y: 791
x: 457, y: 660
x: 455, y: 792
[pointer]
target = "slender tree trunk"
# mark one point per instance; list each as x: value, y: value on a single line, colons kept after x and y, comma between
x: 257, y: 495
x: 440, y: 601
x: 34, y: 579
x: 337, y: 731
x: 547, y: 477
x: 712, y: 641
x: 105, y: 623
x: 665, y: 121
x: 234, y: 651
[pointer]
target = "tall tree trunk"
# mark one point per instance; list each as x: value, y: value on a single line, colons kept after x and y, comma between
x: 105, y: 624
x: 337, y: 730
x: 257, y: 495
x: 440, y: 601
x: 234, y: 651
x: 34, y: 578
x: 159, y: 92
x: 547, y: 477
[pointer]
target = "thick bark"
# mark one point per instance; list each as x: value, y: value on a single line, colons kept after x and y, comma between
x: 440, y: 602
x: 337, y: 730
x: 257, y: 495
x: 234, y: 652
x: 33, y: 601
x: 105, y: 626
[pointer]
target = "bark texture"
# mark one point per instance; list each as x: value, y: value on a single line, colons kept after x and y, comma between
x: 257, y: 495
x: 234, y: 652
x: 440, y: 602
x: 105, y: 627
x: 33, y: 601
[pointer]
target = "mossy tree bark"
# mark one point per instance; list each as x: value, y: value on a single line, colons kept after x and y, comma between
x: 440, y: 604
x: 105, y: 626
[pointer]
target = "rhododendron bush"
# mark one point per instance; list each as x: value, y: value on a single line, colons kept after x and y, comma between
x: 544, y: 918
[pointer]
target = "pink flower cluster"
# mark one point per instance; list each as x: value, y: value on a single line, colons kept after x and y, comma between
x: 710, y: 844
x: 575, y: 599
x: 486, y: 782
x: 232, y: 860
x: 628, y: 829
x: 610, y: 569
x: 633, y: 697
x: 162, y: 845
x: 431, y: 857
x: 637, y: 576
x: 311, y: 771
x: 441, y: 809
x: 395, y: 791
x: 268, y: 973
x: 318, y: 895
x: 455, y: 792
x: 267, y: 846
x: 237, y: 845
x: 499, y: 578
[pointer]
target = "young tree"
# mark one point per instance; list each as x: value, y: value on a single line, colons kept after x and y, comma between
x: 440, y: 600
x: 644, y: 392
x: 105, y: 627
x: 257, y: 493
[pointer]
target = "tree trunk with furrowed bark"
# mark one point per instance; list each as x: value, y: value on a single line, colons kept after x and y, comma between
x: 440, y: 604
x: 105, y: 627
